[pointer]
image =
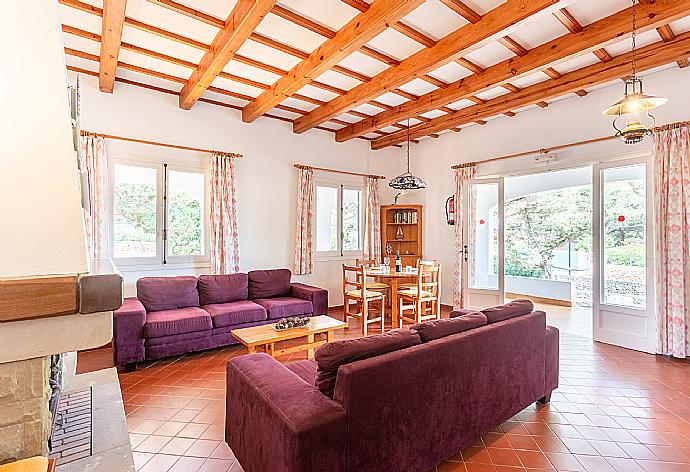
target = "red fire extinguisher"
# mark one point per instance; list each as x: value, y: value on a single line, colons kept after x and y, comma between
x: 450, y: 210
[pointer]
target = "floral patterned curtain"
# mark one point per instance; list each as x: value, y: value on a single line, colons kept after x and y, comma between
x: 96, y: 165
x: 672, y: 236
x: 462, y: 175
x: 304, y: 237
x: 372, y: 237
x: 224, y: 237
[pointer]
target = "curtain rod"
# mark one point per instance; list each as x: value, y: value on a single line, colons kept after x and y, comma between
x: 537, y: 151
x: 302, y: 166
x: 678, y: 124
x: 156, y: 143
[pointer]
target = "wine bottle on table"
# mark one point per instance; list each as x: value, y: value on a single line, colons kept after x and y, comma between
x: 398, y: 262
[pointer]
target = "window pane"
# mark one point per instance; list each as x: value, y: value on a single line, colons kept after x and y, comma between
x: 134, y: 212
x: 624, y: 238
x: 483, y: 237
x: 185, y: 213
x: 352, y: 219
x: 326, y: 219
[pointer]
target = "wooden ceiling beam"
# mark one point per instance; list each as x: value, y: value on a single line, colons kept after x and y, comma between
x: 491, y: 26
x: 111, y: 32
x: 653, y: 55
x: 666, y: 33
x: 355, y: 34
x: 608, y: 30
x: 243, y: 20
x: 463, y: 10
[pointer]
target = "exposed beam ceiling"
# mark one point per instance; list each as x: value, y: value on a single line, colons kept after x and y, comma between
x: 591, y: 38
x: 111, y: 31
x: 648, y: 57
x: 462, y: 40
x: 355, y: 34
x: 241, y: 23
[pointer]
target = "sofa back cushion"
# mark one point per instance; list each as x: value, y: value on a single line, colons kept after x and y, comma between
x: 167, y: 293
x: 223, y: 288
x: 441, y: 328
x: 331, y: 356
x: 509, y: 310
x: 269, y: 283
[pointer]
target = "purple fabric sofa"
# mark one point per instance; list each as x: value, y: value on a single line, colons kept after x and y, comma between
x: 176, y: 315
x: 433, y: 391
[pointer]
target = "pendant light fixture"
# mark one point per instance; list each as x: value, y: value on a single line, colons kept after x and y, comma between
x: 635, y: 105
x: 406, y: 180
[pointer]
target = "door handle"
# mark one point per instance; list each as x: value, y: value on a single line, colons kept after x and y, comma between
x: 466, y: 252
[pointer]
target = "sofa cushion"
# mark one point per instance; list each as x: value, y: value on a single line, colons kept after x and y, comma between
x: 269, y: 283
x: 282, y: 307
x: 234, y: 313
x: 509, y: 310
x: 223, y: 288
x: 441, y: 328
x: 305, y: 370
x: 167, y: 293
x: 178, y: 321
x: 331, y: 356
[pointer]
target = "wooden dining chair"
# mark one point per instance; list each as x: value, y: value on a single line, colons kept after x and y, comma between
x: 373, y: 285
x: 356, y: 290
x: 423, y: 300
x: 431, y: 262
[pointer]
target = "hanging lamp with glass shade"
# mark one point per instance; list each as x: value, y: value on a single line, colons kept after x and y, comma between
x: 407, y: 180
x: 635, y: 105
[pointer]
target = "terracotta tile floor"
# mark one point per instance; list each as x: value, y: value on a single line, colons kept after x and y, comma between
x: 615, y: 410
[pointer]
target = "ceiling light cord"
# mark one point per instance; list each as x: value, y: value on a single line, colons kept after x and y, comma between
x: 634, y: 40
x: 408, y: 145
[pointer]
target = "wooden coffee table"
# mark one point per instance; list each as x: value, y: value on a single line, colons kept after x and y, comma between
x: 265, y: 337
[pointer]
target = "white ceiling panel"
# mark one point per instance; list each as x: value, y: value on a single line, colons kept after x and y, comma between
x: 543, y: 30
x: 151, y: 13
x: 492, y: 93
x: 589, y: 11
x: 390, y: 129
x: 285, y: 114
x: 372, y: 135
x: 681, y: 26
x: 460, y: 104
x: 643, y: 39
x: 391, y: 99
x: 244, y: 70
x: 161, y: 45
x: 368, y: 109
x: 333, y: 126
x: 576, y: 63
x: 318, y: 93
x: 433, y: 114
x: 79, y: 19
x: 483, y: 6
x: 488, y: 55
x: 418, y: 87
x: 432, y: 18
x: 337, y: 79
x: 363, y: 64
x: 395, y: 44
x: 297, y: 103
x: 154, y: 64
x: 349, y: 118
x: 82, y: 44
x: 287, y: 32
x: 268, y: 55
x: 225, y: 99
x: 450, y: 72
x: 237, y: 87
x: 528, y: 80
x: 331, y: 13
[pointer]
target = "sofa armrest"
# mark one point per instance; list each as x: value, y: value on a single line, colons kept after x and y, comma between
x: 277, y: 422
x: 317, y: 296
x: 461, y: 311
x: 128, y: 332
x: 551, y: 359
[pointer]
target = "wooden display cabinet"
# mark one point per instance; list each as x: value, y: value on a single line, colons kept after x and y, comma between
x: 405, y: 218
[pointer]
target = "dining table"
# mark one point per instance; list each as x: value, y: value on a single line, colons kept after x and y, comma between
x: 393, y: 280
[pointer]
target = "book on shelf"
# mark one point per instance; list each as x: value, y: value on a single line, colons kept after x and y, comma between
x: 405, y: 217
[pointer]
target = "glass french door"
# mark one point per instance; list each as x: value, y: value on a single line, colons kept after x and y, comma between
x: 623, y: 250
x: 483, y: 243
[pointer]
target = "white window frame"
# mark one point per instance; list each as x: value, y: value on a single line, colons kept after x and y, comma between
x: 340, y: 186
x: 161, y: 260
